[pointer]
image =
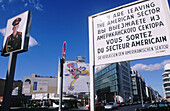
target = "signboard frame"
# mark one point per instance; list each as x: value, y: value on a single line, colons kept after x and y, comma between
x: 24, y: 30
x: 64, y: 50
x: 92, y: 47
x: 78, y: 72
x: 128, y: 57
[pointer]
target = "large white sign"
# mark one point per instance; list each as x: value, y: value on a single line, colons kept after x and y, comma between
x: 76, y: 77
x: 135, y: 31
x: 17, y: 34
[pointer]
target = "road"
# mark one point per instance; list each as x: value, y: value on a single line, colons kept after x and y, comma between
x: 124, y: 108
x: 127, y: 108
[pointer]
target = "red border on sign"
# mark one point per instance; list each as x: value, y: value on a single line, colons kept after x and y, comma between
x: 64, y: 49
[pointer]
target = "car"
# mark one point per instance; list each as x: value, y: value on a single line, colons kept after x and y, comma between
x: 98, y: 107
x: 118, y: 104
x: 139, y: 102
x: 111, y: 105
x: 157, y: 106
x: 122, y: 104
x: 126, y: 103
x: 130, y: 103
x: 64, y: 105
x: 1, y: 99
x: 87, y: 107
x: 146, y: 102
x: 135, y: 102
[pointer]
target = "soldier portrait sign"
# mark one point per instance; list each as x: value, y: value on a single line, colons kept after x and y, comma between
x: 16, y: 38
x: 135, y: 31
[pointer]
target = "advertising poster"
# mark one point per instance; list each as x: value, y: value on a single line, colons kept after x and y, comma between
x: 17, y: 34
x: 135, y: 31
x: 76, y: 77
x: 40, y: 86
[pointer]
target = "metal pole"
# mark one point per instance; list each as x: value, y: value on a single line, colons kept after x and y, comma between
x: 88, y: 85
x: 62, y: 60
x: 9, y: 82
x: 92, y: 89
x: 141, y: 93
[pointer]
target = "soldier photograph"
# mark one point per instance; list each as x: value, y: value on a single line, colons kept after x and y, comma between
x: 14, y: 41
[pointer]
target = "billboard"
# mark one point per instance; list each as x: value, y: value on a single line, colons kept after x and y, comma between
x: 17, y: 34
x: 135, y: 31
x: 76, y: 77
x: 40, y: 86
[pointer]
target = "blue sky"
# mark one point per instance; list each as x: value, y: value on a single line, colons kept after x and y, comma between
x: 57, y: 21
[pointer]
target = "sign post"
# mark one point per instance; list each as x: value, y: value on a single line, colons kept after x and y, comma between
x: 15, y: 41
x: 134, y: 31
x: 62, y: 60
x: 9, y: 82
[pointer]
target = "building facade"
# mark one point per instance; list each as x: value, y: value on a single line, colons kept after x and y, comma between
x: 138, y: 86
x: 113, y: 82
x: 37, y: 85
x: 153, y: 95
x: 16, y: 84
x: 166, y: 81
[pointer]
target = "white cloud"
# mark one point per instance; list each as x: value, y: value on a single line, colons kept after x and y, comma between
x: 10, y: 1
x: 3, y: 7
x: 150, y: 67
x: 26, y: 4
x: 36, y: 4
x: 2, y: 31
x: 29, y: 1
x: 32, y: 41
x: 38, y: 7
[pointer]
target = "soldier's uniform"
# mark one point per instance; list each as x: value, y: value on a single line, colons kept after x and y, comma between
x: 13, y: 42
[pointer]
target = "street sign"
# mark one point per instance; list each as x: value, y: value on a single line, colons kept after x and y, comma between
x: 135, y: 31
x: 64, y: 49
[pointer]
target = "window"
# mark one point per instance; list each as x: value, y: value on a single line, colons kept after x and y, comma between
x: 35, y: 86
x: 167, y: 89
x: 166, y: 75
x: 168, y: 84
x: 126, y: 78
x: 167, y: 94
x: 28, y: 81
x: 166, y: 80
x: 135, y: 92
x: 126, y: 88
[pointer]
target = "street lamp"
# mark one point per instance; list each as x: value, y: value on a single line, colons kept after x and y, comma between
x: 141, y: 93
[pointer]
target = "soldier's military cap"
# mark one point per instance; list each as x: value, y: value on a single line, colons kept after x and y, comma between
x: 16, y: 21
